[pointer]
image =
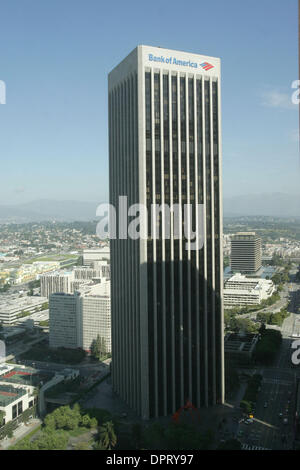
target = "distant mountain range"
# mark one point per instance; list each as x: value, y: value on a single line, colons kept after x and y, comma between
x: 275, y: 205
x: 268, y: 204
x: 45, y: 210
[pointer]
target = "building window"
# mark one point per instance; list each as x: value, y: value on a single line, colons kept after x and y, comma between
x: 20, y: 407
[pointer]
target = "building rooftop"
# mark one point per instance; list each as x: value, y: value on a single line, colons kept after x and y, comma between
x: 246, y: 233
x: 9, y: 394
x: 241, y: 343
x: 101, y: 289
x: 23, y: 375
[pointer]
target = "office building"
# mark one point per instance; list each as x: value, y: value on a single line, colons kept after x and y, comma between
x: 69, y: 281
x: 95, y: 254
x: 56, y: 282
x: 245, y: 253
x: 96, y: 271
x: 63, y: 320
x: 12, y: 309
x: 165, y: 148
x: 95, y: 316
x: 76, y: 320
x: 241, y: 291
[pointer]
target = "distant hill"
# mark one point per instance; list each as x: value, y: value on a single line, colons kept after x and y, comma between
x: 268, y: 204
x: 275, y: 205
x: 44, y: 210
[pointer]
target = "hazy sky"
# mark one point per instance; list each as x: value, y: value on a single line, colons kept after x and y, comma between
x: 55, y: 56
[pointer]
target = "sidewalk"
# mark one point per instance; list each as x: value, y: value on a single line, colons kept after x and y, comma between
x: 19, y: 433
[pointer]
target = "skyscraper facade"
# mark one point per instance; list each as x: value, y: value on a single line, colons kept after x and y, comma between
x: 167, y: 312
x: 245, y: 253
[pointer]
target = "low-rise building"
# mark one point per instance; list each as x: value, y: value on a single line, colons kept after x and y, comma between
x: 241, y: 291
x: 18, y: 390
x: 239, y: 348
x: 11, y: 309
x: 95, y: 254
x: 14, y: 400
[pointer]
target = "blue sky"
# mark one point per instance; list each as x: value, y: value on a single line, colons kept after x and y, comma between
x: 55, y: 56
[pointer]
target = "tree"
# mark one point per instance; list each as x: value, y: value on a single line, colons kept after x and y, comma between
x: 88, y: 422
x: 246, y: 325
x: 2, y: 414
x: 98, y: 347
x: 52, y: 440
x: 50, y: 422
x: 82, y: 446
x: 64, y: 417
x: 262, y: 329
x: 268, y: 346
x: 108, y: 437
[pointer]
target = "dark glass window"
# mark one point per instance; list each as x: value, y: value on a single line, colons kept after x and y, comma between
x: 20, y: 408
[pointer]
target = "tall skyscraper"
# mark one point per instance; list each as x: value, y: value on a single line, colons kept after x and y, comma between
x: 245, y: 253
x: 167, y: 312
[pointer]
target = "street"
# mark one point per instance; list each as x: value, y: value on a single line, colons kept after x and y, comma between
x: 273, y: 423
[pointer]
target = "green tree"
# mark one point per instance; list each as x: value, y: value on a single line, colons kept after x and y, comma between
x: 54, y: 440
x: 82, y: 446
x: 107, y: 435
x: 98, y: 347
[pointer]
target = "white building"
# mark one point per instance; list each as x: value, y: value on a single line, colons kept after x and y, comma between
x: 11, y: 309
x: 14, y: 400
x: 30, y: 272
x: 69, y: 281
x: 75, y: 320
x: 242, y: 291
x: 18, y: 389
x: 95, y: 254
x: 56, y: 282
x: 95, y: 317
x: 98, y: 269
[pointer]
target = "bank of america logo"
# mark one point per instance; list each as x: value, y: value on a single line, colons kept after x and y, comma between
x: 206, y: 66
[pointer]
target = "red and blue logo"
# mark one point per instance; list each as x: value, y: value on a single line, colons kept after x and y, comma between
x: 206, y: 66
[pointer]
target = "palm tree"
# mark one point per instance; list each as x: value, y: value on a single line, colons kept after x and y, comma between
x: 108, y: 437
